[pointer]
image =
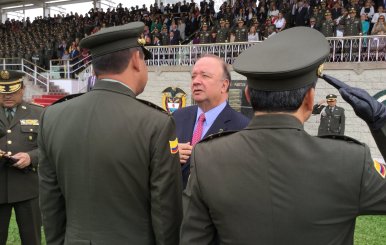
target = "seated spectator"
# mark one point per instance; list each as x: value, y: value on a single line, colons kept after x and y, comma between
x: 379, y: 28
x: 280, y: 22
x: 253, y: 36
x: 378, y: 14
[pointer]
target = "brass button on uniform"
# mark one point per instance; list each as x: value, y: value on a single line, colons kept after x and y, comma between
x: 9, y: 142
x: 9, y: 153
x: 31, y: 129
x: 9, y: 131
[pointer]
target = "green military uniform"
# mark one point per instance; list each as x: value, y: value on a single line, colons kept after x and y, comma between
x: 273, y: 183
x: 109, y: 170
x: 19, y: 187
x: 241, y: 33
x: 332, y: 119
x: 352, y: 26
x: 327, y: 26
x: 222, y: 33
x: 204, y: 36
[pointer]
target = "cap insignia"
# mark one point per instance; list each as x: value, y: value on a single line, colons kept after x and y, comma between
x: 4, y: 74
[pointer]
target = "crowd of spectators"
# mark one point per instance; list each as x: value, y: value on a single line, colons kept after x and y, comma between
x: 57, y: 37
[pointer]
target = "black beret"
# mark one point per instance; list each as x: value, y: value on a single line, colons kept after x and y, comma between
x: 286, y: 61
x: 117, y: 38
x: 10, y: 81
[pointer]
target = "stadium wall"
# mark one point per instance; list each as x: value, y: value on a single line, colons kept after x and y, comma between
x: 369, y: 76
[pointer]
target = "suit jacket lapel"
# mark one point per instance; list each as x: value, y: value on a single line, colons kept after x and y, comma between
x: 220, y: 124
x: 190, y: 119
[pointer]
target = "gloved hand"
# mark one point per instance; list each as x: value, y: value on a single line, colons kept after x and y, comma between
x: 365, y: 106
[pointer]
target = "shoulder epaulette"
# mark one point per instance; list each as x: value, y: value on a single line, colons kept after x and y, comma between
x: 341, y: 137
x: 148, y: 103
x: 35, y: 104
x: 217, y: 135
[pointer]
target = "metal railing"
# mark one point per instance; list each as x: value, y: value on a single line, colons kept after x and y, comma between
x: 343, y: 49
x: 68, y: 69
x: 34, y: 73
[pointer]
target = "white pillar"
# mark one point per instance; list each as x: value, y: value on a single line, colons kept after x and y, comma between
x: 46, y: 10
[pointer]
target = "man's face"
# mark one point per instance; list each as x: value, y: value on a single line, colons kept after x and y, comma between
x: 208, y: 85
x: 331, y: 103
x: 13, y: 99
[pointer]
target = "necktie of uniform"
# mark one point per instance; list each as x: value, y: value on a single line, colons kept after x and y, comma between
x: 198, y: 131
x: 9, y: 116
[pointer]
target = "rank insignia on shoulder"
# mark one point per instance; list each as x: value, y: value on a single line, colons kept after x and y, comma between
x: 148, y: 103
x: 217, y: 135
x: 33, y: 122
x: 380, y: 168
x: 173, y: 146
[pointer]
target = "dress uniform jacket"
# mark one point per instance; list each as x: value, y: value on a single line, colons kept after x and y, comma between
x: 204, y: 37
x: 222, y: 35
x: 19, y: 136
x: 241, y: 34
x: 352, y: 27
x: 273, y: 183
x: 331, y: 122
x: 327, y: 28
x: 108, y: 174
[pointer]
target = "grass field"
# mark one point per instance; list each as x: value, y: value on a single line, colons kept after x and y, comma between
x: 370, y: 230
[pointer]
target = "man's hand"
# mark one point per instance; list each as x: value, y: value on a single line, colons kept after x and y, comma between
x: 365, y: 106
x: 185, y: 150
x: 23, y: 160
x: 322, y: 102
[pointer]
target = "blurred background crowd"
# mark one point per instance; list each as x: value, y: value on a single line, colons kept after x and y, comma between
x: 57, y: 37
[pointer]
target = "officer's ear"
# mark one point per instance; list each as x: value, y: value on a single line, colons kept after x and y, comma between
x: 247, y: 96
x: 308, y: 101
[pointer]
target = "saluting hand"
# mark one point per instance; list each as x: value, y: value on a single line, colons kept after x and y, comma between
x: 364, y: 105
x: 185, y: 150
x: 23, y: 158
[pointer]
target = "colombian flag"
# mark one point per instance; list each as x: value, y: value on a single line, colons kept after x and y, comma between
x: 173, y: 146
x: 381, y: 169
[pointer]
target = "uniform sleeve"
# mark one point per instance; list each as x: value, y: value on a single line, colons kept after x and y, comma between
x: 380, y: 138
x: 166, y: 187
x: 197, y: 226
x: 34, y: 156
x: 342, y: 123
x: 52, y: 203
x: 373, y: 187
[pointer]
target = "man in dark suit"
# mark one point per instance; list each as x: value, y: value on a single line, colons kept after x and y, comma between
x: 19, y: 122
x: 109, y: 170
x: 273, y: 182
x: 210, y: 86
x: 332, y: 118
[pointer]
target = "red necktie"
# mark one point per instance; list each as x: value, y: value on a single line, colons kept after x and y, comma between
x: 198, y: 131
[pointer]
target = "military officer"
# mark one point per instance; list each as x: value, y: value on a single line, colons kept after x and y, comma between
x: 272, y: 182
x: 327, y: 28
x: 241, y: 31
x: 119, y: 182
x: 352, y: 25
x: 222, y: 33
x: 204, y: 34
x: 164, y: 36
x: 332, y: 119
x: 318, y: 17
x: 19, y: 123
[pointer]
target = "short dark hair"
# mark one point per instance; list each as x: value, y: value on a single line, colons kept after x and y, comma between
x: 278, y: 101
x: 114, y: 63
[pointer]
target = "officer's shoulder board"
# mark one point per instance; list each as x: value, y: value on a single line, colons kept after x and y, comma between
x: 35, y: 104
x: 217, y: 135
x: 154, y: 106
x: 341, y: 137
